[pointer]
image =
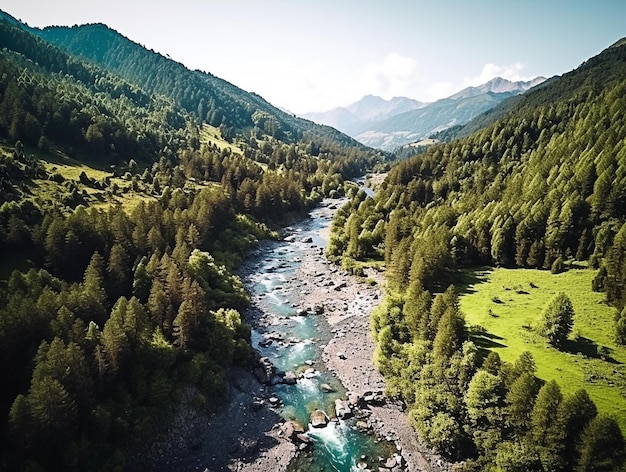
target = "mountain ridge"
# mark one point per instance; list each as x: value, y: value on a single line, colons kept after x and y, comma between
x: 390, y: 124
x: 211, y: 99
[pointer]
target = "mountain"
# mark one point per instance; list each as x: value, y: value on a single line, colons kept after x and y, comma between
x: 209, y: 98
x: 414, y: 125
x: 369, y: 108
x: 498, y: 85
x: 389, y: 124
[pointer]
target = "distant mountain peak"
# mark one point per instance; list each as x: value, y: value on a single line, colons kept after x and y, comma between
x: 498, y: 85
x: 370, y: 108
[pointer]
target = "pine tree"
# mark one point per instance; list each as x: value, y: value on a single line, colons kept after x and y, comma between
x: 94, y: 301
x: 520, y: 401
x: 602, y: 446
x: 575, y: 413
x: 546, y: 433
x: 558, y: 320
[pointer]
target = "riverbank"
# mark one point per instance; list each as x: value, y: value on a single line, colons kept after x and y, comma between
x: 248, y: 434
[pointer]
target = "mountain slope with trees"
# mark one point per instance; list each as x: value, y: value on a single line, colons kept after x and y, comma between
x: 541, y: 186
x: 122, y: 220
x: 210, y: 99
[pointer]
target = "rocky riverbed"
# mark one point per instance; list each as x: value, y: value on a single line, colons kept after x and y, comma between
x: 249, y: 434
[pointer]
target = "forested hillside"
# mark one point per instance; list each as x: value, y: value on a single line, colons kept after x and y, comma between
x: 208, y: 98
x: 122, y: 220
x: 543, y: 186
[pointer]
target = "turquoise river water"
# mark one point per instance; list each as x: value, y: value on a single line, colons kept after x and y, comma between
x: 340, y: 446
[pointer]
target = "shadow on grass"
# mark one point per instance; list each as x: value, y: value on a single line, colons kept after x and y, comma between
x: 588, y: 348
x: 465, y: 280
x: 485, y: 340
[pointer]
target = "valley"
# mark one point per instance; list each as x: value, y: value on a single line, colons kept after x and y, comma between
x: 194, y: 279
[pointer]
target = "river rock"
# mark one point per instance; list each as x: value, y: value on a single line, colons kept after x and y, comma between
x: 247, y: 446
x: 354, y: 399
x: 291, y: 429
x: 340, y: 285
x: 362, y: 426
x: 264, y: 371
x: 326, y: 388
x: 376, y: 398
x: 318, y: 419
x: 342, y: 409
x: 289, y: 378
x: 391, y: 463
x: 256, y: 405
x: 341, y: 356
x: 309, y: 373
x: 274, y: 401
x: 303, y: 437
x: 307, y: 240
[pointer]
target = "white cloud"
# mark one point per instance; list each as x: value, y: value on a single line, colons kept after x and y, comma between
x: 512, y: 72
x: 395, y: 76
x: 440, y: 90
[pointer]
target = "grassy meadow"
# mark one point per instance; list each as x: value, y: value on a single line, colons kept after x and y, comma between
x: 503, y: 309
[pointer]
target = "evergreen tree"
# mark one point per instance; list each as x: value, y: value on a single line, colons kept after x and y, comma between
x: 557, y: 320
x: 602, y: 446
x: 485, y: 403
x: 94, y: 301
x: 575, y: 413
x: 520, y: 401
x: 546, y: 433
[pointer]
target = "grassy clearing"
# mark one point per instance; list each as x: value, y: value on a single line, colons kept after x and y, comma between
x: 508, y: 303
x: 211, y: 134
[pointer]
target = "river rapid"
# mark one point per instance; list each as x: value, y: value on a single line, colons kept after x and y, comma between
x: 293, y: 337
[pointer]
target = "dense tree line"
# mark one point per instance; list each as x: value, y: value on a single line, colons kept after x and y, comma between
x: 491, y: 414
x: 542, y: 185
x: 152, y: 311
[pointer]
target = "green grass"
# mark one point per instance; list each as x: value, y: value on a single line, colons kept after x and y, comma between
x: 508, y: 303
x: 214, y: 136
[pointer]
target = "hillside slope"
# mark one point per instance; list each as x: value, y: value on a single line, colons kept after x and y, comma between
x: 207, y: 97
x: 543, y: 186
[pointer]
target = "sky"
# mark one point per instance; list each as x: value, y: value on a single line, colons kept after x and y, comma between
x: 314, y: 55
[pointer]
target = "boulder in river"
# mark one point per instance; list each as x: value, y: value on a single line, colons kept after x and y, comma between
x: 342, y: 409
x: 290, y: 378
x: 326, y: 388
x: 256, y: 405
x: 318, y: 419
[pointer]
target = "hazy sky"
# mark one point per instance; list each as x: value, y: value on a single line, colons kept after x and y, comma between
x: 313, y: 55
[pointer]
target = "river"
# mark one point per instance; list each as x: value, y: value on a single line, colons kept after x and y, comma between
x: 294, y: 343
